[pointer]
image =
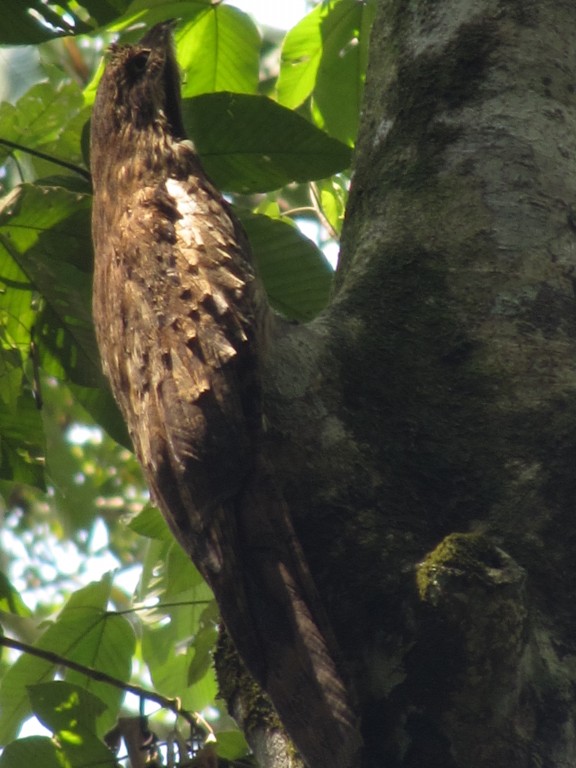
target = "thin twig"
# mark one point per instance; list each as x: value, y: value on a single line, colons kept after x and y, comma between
x: 192, y: 718
x: 43, y: 156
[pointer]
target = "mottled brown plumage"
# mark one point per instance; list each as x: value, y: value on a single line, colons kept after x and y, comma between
x: 182, y: 323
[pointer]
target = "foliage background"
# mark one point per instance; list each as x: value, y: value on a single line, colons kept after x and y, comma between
x: 89, y: 571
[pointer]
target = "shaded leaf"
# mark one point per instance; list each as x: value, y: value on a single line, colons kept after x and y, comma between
x: 250, y: 143
x: 105, y: 11
x: 296, y: 274
x: 32, y: 751
x: 70, y: 712
x: 19, y: 26
x: 22, y: 442
x: 60, y: 706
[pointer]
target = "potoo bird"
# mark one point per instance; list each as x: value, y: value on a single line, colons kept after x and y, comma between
x: 182, y: 323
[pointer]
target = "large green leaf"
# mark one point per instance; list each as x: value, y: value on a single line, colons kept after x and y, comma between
x: 340, y: 79
x: 300, y: 58
x: 251, y: 144
x: 84, y: 632
x: 105, y: 11
x: 296, y: 274
x: 146, y: 13
x: 325, y: 56
x: 219, y: 51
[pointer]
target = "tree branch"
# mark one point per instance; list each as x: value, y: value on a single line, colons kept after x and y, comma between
x: 173, y: 705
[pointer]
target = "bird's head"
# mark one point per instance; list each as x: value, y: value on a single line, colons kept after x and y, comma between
x: 140, y: 88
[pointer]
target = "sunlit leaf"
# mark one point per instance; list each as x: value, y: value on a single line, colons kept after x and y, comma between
x: 300, y: 58
x: 340, y: 77
x: 332, y: 196
x: 151, y: 523
x: 219, y: 51
x: 325, y: 56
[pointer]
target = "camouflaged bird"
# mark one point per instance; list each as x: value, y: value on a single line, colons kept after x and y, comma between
x: 176, y: 306
x: 176, y: 301
x: 182, y: 323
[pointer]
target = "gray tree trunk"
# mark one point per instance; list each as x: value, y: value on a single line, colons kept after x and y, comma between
x: 423, y: 429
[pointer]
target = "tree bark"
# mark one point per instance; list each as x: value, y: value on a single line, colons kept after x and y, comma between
x: 423, y: 430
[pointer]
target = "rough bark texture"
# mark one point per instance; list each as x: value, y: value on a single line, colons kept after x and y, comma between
x: 439, y: 525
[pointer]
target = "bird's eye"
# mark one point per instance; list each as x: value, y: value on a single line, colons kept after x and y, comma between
x: 139, y: 62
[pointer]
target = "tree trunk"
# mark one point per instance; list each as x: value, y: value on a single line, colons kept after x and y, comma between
x: 423, y: 430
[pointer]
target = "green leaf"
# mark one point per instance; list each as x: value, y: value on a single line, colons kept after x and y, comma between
x: 340, y: 77
x: 332, y: 195
x: 46, y: 230
x: 60, y: 706
x: 300, y: 58
x: 10, y: 600
x: 105, y: 11
x: 231, y: 745
x: 180, y: 647
x: 22, y: 447
x: 70, y: 712
x: 146, y: 13
x: 203, y: 645
x: 251, y: 144
x: 46, y: 118
x: 150, y: 523
x: 33, y: 750
x: 219, y: 51
x: 325, y: 56
x: 84, y: 632
x: 296, y: 274
x: 101, y: 406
